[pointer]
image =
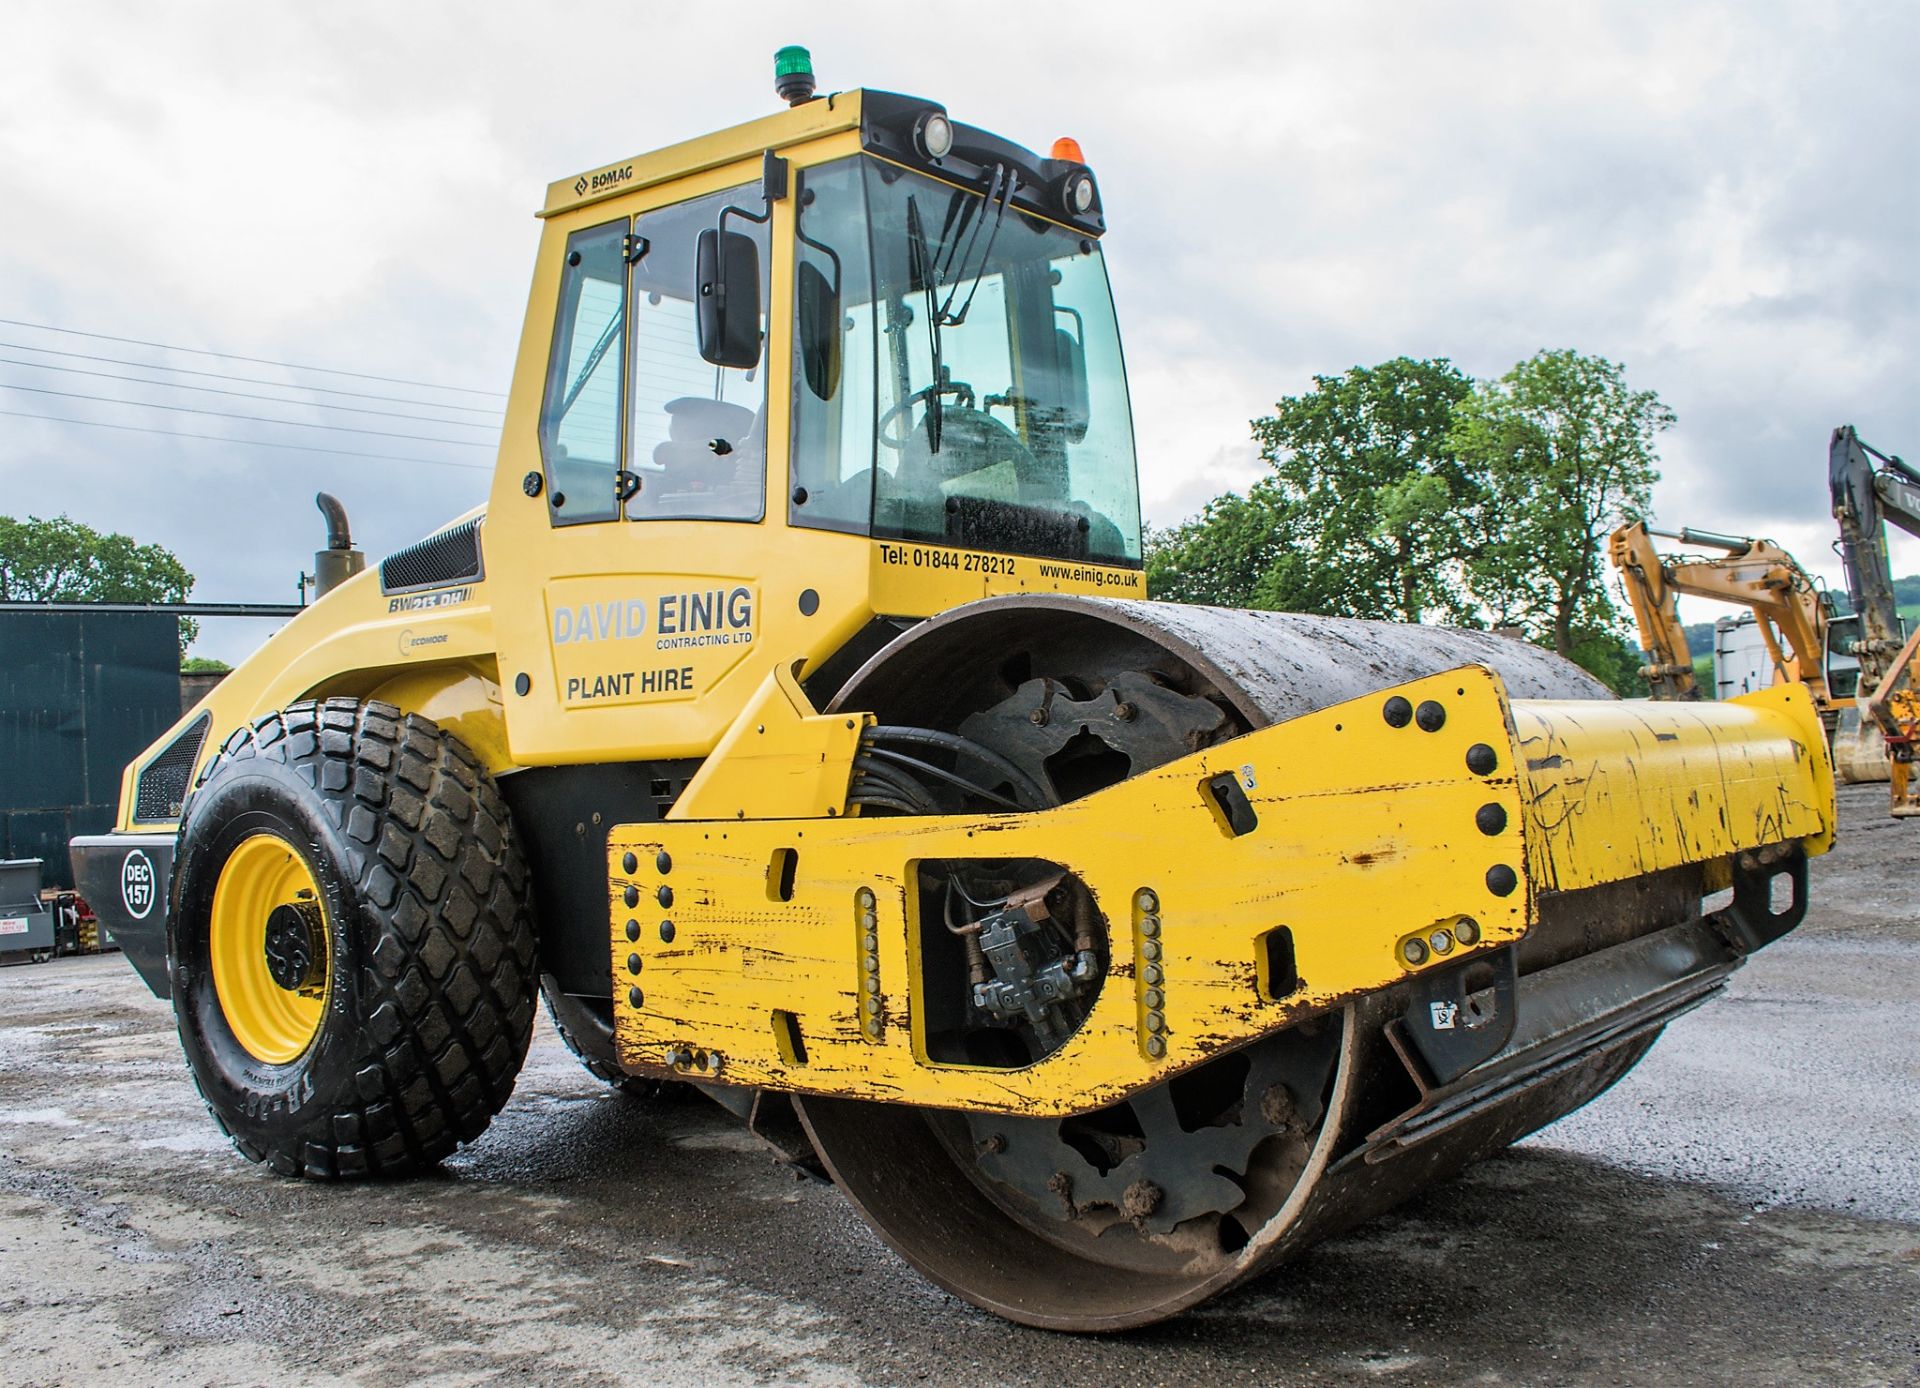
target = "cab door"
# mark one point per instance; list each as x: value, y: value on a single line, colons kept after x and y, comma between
x: 629, y: 604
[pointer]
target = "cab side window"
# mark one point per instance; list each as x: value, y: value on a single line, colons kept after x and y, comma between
x: 835, y: 324
x: 697, y: 432
x: 580, y: 421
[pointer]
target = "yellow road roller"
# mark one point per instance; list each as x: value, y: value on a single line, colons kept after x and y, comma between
x: 793, y: 719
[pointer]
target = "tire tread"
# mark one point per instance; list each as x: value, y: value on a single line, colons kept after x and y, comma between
x: 447, y: 972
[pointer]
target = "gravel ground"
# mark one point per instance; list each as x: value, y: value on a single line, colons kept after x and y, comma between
x: 1744, y: 1208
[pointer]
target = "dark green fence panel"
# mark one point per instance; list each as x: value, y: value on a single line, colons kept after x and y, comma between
x: 81, y: 693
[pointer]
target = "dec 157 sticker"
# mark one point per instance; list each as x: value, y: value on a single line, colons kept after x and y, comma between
x: 137, y: 884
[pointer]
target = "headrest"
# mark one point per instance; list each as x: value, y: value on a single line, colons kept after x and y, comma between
x: 694, y: 420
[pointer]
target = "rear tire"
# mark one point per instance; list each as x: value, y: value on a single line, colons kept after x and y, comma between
x: 420, y: 942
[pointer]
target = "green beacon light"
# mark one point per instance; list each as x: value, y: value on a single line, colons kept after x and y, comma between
x: 793, y: 75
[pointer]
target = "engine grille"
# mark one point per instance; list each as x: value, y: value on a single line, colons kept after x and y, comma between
x: 161, y: 787
x: 452, y: 556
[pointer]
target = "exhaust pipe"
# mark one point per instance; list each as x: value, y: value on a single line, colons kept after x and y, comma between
x: 339, y: 561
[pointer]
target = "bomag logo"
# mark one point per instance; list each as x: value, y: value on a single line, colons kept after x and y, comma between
x: 711, y: 617
x: 602, y: 181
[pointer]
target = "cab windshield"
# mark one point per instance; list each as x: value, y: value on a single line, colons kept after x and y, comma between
x: 957, y: 374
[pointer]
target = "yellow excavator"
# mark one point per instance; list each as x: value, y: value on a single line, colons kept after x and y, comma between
x: 793, y: 718
x: 1872, y: 490
x: 1790, y: 609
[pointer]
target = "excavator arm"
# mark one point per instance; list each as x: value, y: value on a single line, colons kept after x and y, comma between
x: 1653, y: 597
x: 1755, y: 574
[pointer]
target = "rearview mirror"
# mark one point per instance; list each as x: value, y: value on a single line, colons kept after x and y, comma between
x: 727, y: 302
x: 1075, y: 409
x: 817, y: 315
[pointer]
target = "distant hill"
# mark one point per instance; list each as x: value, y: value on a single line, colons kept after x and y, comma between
x: 1906, y: 593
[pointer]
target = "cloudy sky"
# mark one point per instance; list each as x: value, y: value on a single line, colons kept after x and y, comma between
x: 1724, y: 197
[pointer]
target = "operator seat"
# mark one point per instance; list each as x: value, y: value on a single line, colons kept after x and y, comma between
x: 691, y: 476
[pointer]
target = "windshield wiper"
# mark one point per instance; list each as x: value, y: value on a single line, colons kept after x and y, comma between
x: 930, y: 270
x: 920, y: 269
x: 999, y: 196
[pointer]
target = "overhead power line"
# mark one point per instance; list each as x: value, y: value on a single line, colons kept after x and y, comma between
x: 243, y: 443
x: 257, y: 361
x: 168, y: 609
x: 243, y: 394
x: 493, y: 411
x: 249, y: 418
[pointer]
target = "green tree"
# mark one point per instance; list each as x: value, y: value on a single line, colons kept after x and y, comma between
x: 1370, y: 493
x: 1220, y: 556
x: 1562, y: 451
x: 1606, y: 655
x: 61, y: 560
x: 1359, y: 516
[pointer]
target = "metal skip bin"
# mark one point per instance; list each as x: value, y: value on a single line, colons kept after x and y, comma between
x: 26, y: 925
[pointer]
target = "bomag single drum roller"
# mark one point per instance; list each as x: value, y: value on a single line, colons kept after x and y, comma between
x: 792, y: 718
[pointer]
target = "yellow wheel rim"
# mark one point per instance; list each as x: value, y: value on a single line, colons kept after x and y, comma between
x: 272, y: 1021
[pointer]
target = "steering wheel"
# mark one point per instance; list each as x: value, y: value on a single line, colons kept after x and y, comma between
x: 970, y: 440
x: 960, y: 390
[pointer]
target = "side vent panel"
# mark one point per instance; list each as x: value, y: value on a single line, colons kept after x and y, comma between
x: 452, y: 556
x: 161, y: 787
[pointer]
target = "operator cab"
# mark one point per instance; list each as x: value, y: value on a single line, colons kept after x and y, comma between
x: 955, y: 369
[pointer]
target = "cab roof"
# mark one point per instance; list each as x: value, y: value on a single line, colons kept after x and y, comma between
x: 824, y: 115
x: 885, y: 122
